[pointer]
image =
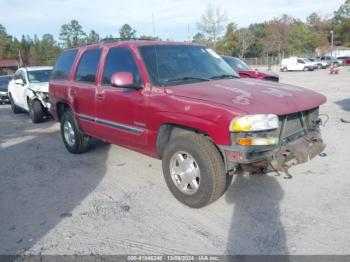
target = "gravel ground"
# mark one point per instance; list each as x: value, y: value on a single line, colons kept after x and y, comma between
x: 114, y: 201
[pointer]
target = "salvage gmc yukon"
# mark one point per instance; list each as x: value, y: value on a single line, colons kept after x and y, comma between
x: 185, y: 105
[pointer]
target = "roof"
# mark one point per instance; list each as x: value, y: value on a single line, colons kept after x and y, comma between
x: 8, y: 63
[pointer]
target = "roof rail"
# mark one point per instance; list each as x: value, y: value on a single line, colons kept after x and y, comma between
x: 112, y: 39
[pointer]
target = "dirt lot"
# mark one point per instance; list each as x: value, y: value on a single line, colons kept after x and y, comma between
x: 115, y: 201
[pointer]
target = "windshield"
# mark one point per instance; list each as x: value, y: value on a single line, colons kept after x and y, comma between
x: 183, y: 64
x: 37, y: 76
x: 236, y: 63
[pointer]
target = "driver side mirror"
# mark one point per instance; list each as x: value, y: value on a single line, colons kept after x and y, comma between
x: 19, y: 81
x: 124, y: 80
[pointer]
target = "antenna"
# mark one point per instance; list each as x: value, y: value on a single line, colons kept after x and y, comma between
x: 188, y: 33
x: 154, y: 28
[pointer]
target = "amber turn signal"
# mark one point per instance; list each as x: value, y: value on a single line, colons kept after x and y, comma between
x: 257, y: 141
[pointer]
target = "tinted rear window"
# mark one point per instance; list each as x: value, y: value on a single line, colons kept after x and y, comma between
x: 87, y: 68
x: 63, y: 65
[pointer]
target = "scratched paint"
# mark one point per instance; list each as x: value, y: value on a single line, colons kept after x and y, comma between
x: 243, y: 97
x: 276, y: 92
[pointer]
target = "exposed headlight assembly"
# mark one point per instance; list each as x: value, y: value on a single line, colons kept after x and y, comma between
x: 43, y: 95
x: 250, y: 123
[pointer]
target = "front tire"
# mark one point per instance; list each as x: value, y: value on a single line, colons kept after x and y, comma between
x: 74, y: 139
x: 305, y: 69
x: 194, y: 170
x: 36, y: 111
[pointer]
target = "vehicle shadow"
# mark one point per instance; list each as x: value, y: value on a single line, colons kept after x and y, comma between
x: 256, y: 228
x: 344, y: 104
x: 41, y: 183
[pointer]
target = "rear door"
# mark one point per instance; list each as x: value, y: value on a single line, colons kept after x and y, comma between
x: 83, y: 89
x: 121, y: 112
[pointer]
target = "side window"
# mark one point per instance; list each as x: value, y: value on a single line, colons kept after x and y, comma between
x: 63, y: 65
x: 300, y: 61
x: 23, y: 77
x: 120, y: 60
x: 20, y: 75
x: 17, y: 75
x: 87, y: 68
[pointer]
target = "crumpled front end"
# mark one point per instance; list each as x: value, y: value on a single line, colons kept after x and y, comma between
x: 299, y: 137
x: 42, y: 95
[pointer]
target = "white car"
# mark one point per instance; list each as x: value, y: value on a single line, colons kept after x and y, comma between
x: 296, y: 64
x: 29, y: 91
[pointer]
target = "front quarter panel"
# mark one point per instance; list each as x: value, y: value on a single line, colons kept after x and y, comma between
x: 210, y: 119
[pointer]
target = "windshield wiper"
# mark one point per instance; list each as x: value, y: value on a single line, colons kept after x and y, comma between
x: 186, y: 78
x: 223, y: 76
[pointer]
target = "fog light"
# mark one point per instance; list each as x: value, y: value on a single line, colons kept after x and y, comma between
x: 257, y: 141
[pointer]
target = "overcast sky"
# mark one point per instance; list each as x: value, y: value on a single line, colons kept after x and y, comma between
x: 171, y: 17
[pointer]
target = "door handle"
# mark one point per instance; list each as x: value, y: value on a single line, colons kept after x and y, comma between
x: 100, y: 97
x: 72, y: 92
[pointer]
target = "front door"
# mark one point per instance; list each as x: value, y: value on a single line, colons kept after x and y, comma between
x: 82, y: 90
x: 121, y: 112
x: 18, y: 90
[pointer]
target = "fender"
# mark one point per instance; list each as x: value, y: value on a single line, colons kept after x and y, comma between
x: 32, y: 95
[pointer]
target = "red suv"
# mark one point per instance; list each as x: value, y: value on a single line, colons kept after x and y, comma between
x: 246, y: 71
x: 183, y: 104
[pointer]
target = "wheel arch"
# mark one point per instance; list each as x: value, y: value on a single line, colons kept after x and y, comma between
x: 168, y: 131
x: 60, y: 108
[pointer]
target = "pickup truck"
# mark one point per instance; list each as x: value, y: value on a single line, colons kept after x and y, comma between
x: 183, y: 104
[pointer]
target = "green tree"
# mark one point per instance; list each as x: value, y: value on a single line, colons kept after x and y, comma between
x: 92, y: 37
x: 126, y: 31
x: 229, y: 44
x: 302, y: 40
x: 199, y: 38
x: 321, y: 27
x: 72, y: 34
x: 256, y: 48
x: 47, y: 50
x: 341, y: 24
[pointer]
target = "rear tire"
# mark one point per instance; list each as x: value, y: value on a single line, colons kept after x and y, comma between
x: 36, y: 111
x: 194, y: 154
x: 285, y: 69
x: 74, y: 139
x: 14, y: 107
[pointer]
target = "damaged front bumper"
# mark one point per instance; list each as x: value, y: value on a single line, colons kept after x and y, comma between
x: 300, y: 140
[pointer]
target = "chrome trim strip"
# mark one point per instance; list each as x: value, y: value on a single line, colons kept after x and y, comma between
x: 85, y: 117
x: 120, y: 126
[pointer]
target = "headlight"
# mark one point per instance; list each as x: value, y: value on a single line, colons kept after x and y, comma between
x: 254, y: 123
x: 44, y: 95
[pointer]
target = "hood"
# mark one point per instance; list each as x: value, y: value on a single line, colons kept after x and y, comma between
x: 40, y: 87
x: 268, y: 73
x: 252, y: 96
